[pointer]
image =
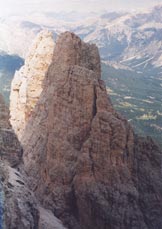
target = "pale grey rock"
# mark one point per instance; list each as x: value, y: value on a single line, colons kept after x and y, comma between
x: 27, y: 83
x: 48, y: 220
x: 20, y: 205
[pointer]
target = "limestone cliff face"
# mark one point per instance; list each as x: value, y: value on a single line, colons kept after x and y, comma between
x: 85, y: 163
x: 27, y: 84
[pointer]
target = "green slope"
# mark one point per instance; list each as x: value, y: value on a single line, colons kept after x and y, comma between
x: 138, y: 97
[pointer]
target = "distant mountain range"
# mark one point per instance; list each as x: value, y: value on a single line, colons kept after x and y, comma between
x: 131, y: 39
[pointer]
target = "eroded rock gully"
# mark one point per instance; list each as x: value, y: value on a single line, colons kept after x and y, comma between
x: 85, y: 163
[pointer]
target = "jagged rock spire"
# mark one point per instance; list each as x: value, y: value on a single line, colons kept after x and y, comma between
x: 83, y: 158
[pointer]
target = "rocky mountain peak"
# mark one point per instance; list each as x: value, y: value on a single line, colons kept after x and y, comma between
x: 85, y: 163
x: 28, y: 81
x: 70, y: 50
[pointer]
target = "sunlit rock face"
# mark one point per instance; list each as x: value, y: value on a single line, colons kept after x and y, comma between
x: 85, y: 163
x: 27, y: 83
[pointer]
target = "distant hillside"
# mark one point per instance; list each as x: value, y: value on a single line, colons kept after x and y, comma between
x: 8, y: 65
x: 138, y: 97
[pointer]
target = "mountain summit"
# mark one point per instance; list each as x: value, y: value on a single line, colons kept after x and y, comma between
x: 85, y: 163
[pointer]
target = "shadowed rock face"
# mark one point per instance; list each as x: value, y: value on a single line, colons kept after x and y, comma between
x: 19, y: 208
x: 10, y: 149
x: 85, y: 163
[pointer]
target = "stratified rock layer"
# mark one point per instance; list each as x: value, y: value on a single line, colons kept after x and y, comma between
x: 85, y: 163
x: 27, y: 84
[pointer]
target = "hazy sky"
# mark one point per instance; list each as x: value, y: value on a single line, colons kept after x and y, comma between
x: 15, y: 6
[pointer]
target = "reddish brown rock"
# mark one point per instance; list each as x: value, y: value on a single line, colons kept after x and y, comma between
x: 85, y: 163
